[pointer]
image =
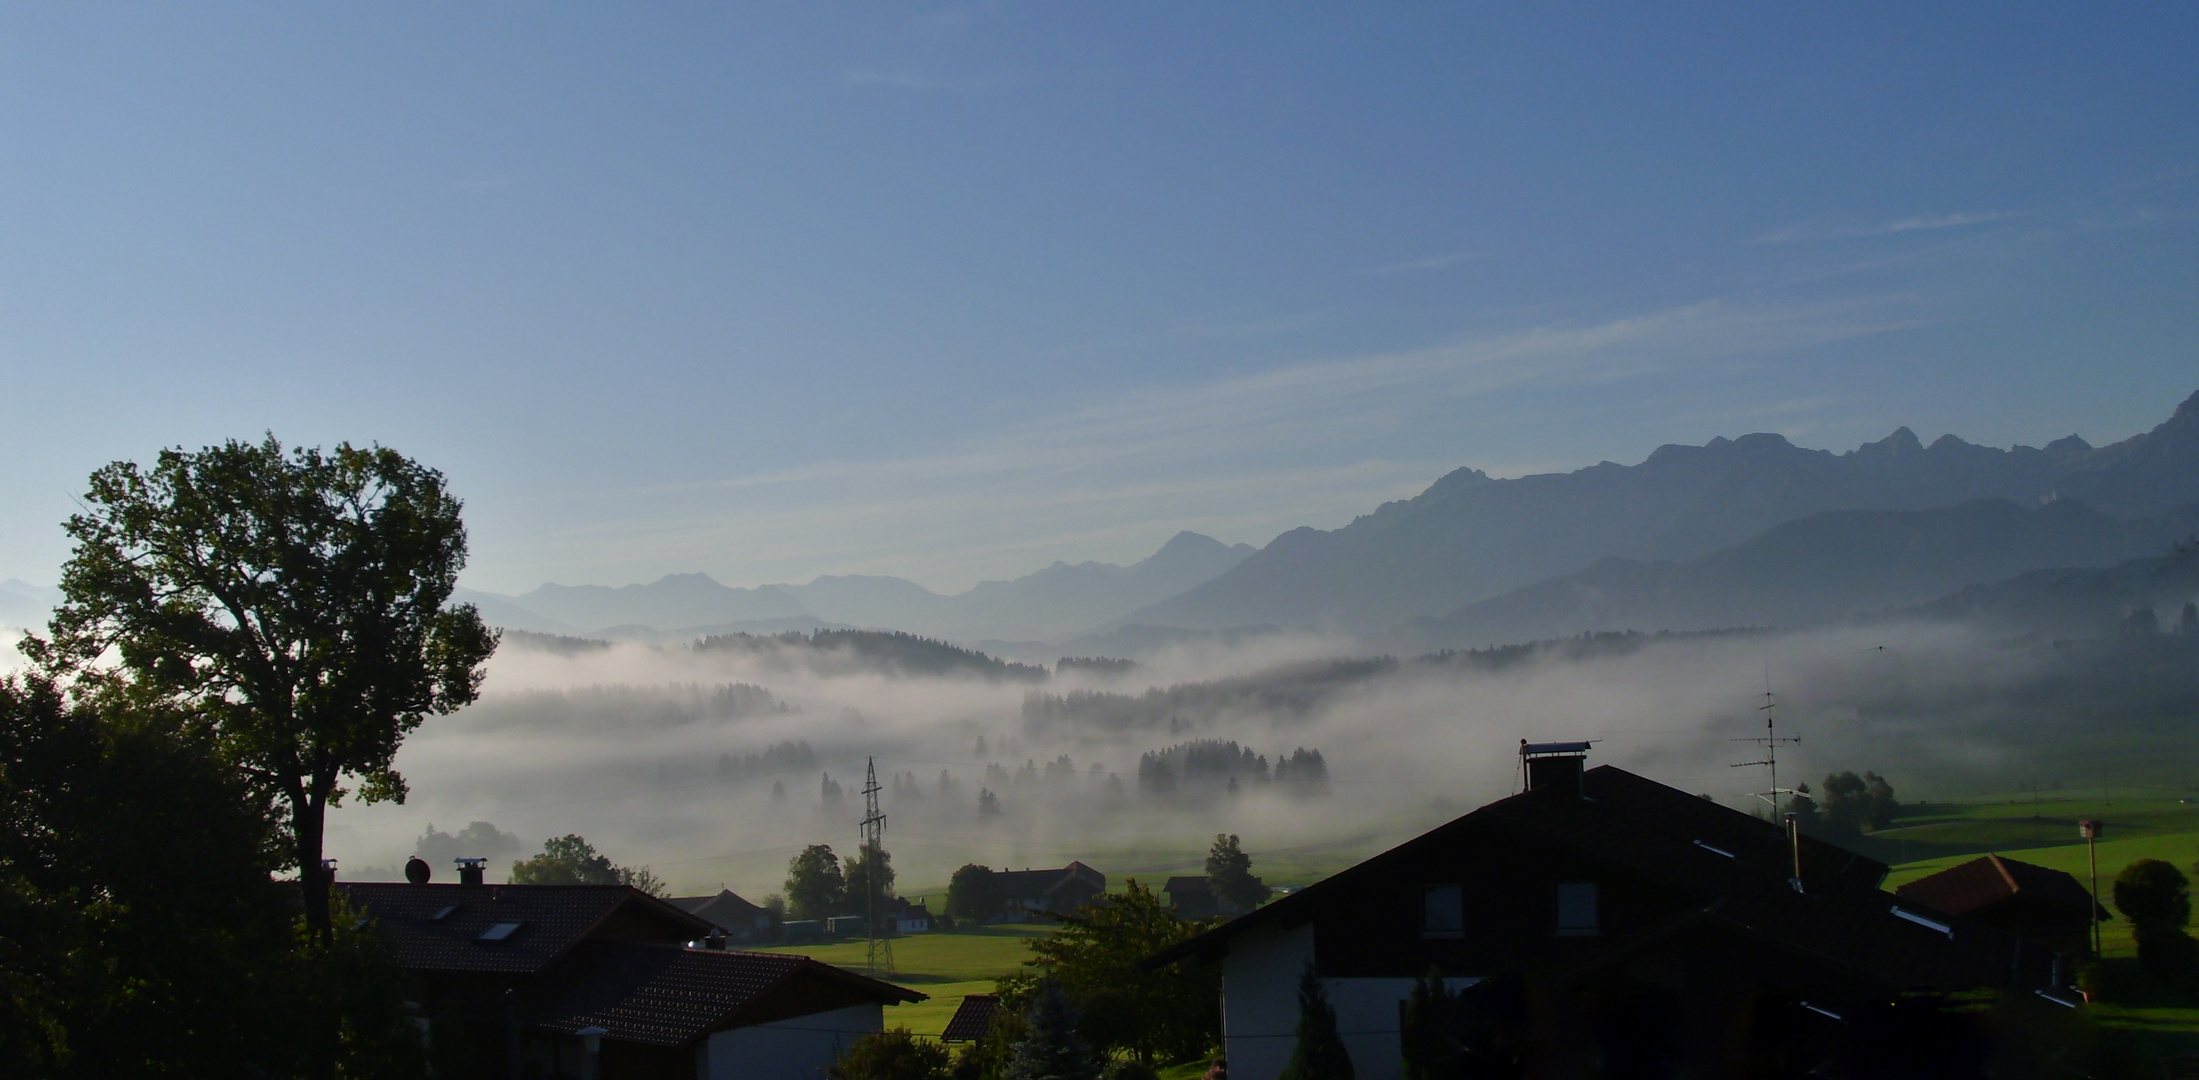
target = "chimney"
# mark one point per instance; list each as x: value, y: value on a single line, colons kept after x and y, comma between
x: 1794, y: 845
x: 1553, y: 765
x: 470, y: 870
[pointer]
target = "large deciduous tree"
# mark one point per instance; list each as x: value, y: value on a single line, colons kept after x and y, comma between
x: 295, y: 600
x: 815, y: 887
x: 1229, y: 876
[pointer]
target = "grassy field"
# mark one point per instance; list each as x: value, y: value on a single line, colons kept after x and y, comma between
x: 946, y: 966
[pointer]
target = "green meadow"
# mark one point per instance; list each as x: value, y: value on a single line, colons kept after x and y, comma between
x: 947, y: 965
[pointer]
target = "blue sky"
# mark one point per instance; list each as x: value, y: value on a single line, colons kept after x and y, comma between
x: 952, y: 292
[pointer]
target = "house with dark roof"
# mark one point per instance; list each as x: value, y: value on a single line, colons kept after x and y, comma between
x: 549, y: 979
x: 1050, y: 892
x: 734, y: 917
x: 972, y: 1020
x: 1191, y: 898
x: 2048, y: 906
x: 1599, y: 923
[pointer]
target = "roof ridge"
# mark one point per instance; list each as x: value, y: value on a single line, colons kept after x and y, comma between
x: 2002, y: 866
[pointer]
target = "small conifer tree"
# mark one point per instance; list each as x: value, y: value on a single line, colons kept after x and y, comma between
x: 1319, y: 1054
x: 1050, y: 1048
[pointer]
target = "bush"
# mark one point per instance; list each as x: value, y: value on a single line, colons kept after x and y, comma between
x: 891, y: 1055
x: 2152, y: 892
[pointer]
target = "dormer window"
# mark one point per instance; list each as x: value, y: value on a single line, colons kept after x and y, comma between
x: 1442, y: 911
x: 500, y: 931
x: 1577, y: 910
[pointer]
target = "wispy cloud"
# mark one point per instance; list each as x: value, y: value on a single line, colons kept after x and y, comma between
x: 1242, y: 457
x: 1415, y: 266
x: 1798, y: 233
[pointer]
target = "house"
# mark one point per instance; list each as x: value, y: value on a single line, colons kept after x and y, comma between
x: 2047, y: 906
x: 1050, y: 892
x: 516, y: 980
x: 734, y: 917
x: 972, y: 1020
x: 909, y: 916
x: 1191, y: 898
x: 1600, y: 923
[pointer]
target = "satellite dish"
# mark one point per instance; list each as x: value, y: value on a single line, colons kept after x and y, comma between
x: 417, y: 871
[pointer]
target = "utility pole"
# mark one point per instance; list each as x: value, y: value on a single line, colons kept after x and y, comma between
x: 2091, y: 831
x: 879, y: 950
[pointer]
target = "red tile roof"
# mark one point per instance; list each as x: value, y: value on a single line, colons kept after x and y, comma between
x: 1971, y: 886
x: 669, y: 995
x: 552, y: 920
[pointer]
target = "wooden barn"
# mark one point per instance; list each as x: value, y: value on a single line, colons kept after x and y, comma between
x: 576, y: 980
x: 2050, y: 907
x: 1600, y: 923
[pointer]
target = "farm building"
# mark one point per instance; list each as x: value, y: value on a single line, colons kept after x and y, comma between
x: 734, y: 917
x: 1191, y: 898
x: 1050, y: 892
x: 537, y: 979
x: 1600, y: 923
x: 2050, y: 907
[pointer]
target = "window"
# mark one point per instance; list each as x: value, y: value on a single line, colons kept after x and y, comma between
x: 1577, y: 910
x: 500, y: 931
x: 1442, y: 911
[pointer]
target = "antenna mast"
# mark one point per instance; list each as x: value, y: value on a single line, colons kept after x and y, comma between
x: 1771, y: 742
x: 878, y: 950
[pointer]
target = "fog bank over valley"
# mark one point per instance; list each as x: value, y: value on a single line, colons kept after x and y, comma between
x: 714, y: 764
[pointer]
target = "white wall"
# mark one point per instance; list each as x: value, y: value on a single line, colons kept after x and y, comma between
x: 1260, y: 1008
x: 797, y: 1049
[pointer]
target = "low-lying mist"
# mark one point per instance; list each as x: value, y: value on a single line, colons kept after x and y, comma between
x: 714, y: 766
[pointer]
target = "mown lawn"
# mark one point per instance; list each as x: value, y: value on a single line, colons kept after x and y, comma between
x: 948, y: 966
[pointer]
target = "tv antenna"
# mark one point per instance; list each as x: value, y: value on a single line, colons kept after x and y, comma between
x: 878, y: 952
x: 1771, y: 741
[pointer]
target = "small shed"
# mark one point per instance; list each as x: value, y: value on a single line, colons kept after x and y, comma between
x: 2047, y: 906
x: 972, y: 1019
x: 1192, y: 898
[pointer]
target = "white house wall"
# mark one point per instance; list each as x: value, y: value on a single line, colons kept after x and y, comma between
x: 1260, y: 1008
x: 798, y: 1049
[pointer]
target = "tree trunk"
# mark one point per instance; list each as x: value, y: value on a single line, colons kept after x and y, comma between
x: 306, y: 817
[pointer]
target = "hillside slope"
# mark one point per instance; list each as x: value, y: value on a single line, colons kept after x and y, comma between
x: 1817, y: 569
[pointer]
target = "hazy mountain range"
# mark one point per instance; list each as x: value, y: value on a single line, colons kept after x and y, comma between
x: 1469, y: 537
x: 1752, y: 531
x: 1056, y: 601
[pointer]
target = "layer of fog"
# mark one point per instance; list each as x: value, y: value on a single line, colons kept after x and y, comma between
x: 629, y: 746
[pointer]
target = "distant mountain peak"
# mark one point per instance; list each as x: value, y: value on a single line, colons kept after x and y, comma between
x: 1901, y: 443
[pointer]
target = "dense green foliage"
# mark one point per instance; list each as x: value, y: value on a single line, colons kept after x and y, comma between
x: 571, y: 860
x: 893, y: 1054
x: 2156, y: 897
x: 1319, y: 1052
x: 291, y: 600
x: 815, y: 886
x: 1166, y: 1015
x: 1050, y: 1047
x: 974, y: 894
x: 140, y: 931
x: 1229, y: 876
x: 1850, y: 803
